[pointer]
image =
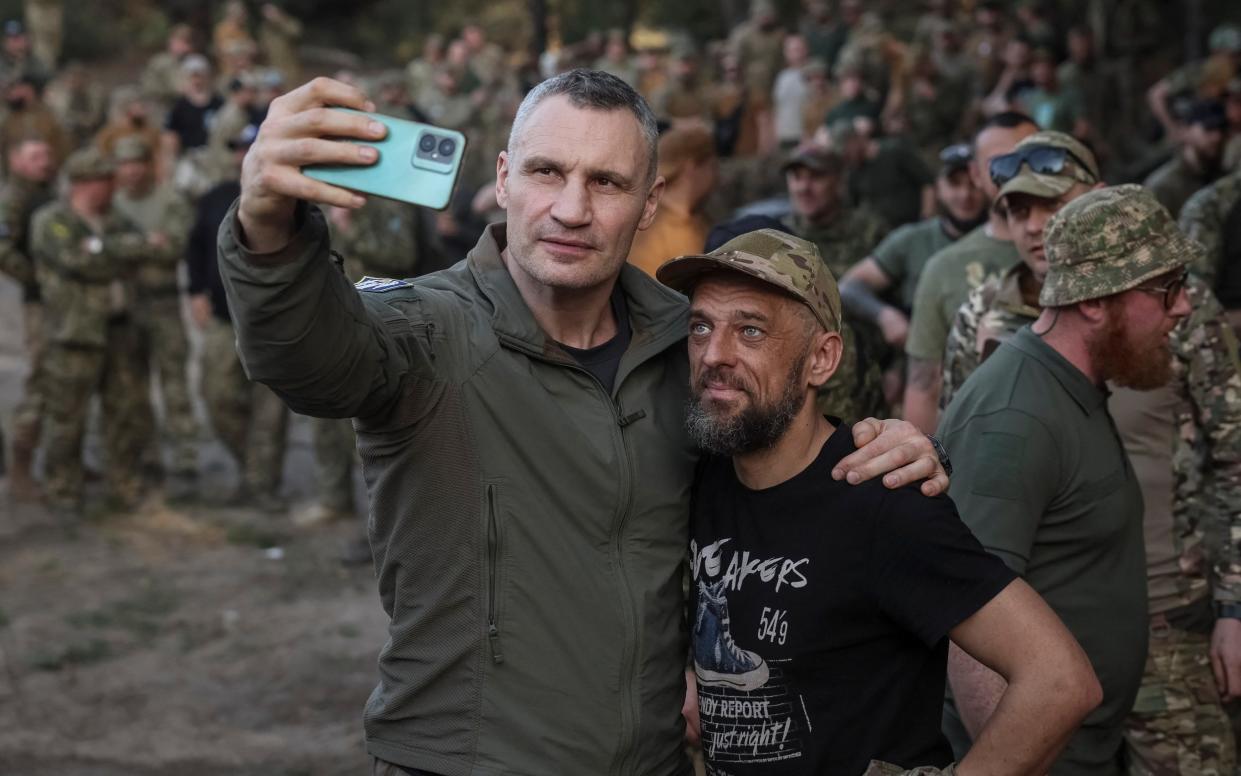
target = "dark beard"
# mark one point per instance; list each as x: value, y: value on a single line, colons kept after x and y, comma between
x: 1128, y: 364
x: 962, y: 228
x: 754, y: 428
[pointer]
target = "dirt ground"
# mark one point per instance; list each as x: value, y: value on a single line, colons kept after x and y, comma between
x: 193, y: 639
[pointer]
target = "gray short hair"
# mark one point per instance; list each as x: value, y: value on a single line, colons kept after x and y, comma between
x: 598, y: 90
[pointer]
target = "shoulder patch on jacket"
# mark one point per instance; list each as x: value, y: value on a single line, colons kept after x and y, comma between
x: 380, y: 285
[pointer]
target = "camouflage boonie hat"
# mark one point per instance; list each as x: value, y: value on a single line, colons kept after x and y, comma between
x: 789, y: 263
x: 88, y: 164
x: 1052, y: 186
x: 1108, y: 241
x: 132, y: 148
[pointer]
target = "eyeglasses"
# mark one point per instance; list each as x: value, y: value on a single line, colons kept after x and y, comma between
x: 1171, y: 290
x: 1044, y: 160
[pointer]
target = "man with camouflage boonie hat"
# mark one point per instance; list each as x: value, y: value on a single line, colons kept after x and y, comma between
x: 1184, y: 441
x: 1042, y: 477
x: 764, y: 321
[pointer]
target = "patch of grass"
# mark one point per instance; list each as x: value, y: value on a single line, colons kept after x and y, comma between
x: 141, y: 614
x: 254, y: 536
x: 77, y: 653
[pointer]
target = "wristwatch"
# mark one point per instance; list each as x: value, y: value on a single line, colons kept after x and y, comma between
x: 1230, y: 610
x: 944, y: 460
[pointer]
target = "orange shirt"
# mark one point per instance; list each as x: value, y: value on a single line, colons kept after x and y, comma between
x: 673, y: 233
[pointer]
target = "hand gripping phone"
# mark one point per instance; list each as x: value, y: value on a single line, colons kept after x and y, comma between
x: 418, y: 163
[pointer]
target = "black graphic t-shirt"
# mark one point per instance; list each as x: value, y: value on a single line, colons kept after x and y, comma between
x: 820, y: 630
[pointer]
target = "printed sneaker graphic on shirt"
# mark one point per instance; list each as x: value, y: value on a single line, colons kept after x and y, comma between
x: 718, y: 661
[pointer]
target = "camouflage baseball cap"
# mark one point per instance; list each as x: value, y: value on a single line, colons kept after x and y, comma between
x: 1108, y: 241
x: 88, y: 164
x: 132, y: 148
x: 1080, y: 167
x: 789, y: 263
x: 815, y: 158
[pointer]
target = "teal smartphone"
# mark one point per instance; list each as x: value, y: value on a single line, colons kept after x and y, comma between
x: 418, y: 164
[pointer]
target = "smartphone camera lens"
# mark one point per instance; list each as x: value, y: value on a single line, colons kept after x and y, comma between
x: 427, y: 144
x: 447, y: 146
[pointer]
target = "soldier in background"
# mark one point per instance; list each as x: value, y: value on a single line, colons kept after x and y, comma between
x: 127, y: 117
x: 420, y: 72
x: 843, y: 236
x: 16, y: 58
x: 279, y: 32
x: 161, y: 79
x: 248, y: 418
x: 29, y: 116
x: 1196, y: 162
x: 165, y: 218
x: 46, y: 21
x: 32, y: 169
x: 758, y: 44
x: 77, y: 102
x: 83, y: 254
x: 1212, y: 217
x: 616, y: 59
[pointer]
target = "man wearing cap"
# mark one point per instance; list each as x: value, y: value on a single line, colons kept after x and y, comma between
x: 842, y: 236
x: 1204, y: 79
x: 1045, y: 483
x: 165, y: 218
x: 191, y: 115
x: 17, y: 59
x: 29, y: 116
x: 950, y: 274
x: 820, y: 634
x: 1197, y: 160
x: 1184, y: 440
x: 84, y: 254
x: 1002, y: 305
x: 893, y: 268
x: 32, y: 170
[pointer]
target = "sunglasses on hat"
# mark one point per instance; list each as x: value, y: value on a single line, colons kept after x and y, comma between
x: 1043, y: 160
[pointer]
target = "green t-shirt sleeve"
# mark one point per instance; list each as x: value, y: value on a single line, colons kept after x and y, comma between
x: 892, y: 255
x: 1005, y: 470
x: 927, y: 330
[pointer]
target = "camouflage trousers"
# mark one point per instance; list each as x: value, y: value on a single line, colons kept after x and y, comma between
x: 1178, y: 724
x: 249, y: 419
x: 73, y: 375
x: 335, y: 452
x: 28, y: 416
x: 168, y: 351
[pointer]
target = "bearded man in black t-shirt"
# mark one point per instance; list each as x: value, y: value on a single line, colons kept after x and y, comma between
x: 824, y: 610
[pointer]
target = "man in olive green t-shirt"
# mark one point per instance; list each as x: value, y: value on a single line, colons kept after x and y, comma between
x: 1041, y: 474
x: 950, y: 275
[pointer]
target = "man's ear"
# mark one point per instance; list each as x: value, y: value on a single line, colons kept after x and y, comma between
x: 825, y: 353
x: 652, y: 202
x: 1093, y: 310
x: 502, y: 180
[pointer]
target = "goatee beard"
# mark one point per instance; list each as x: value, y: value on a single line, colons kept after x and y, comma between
x: 757, y: 427
x: 1127, y: 364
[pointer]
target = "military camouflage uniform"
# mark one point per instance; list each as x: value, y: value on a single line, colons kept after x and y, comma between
x: 385, y: 239
x: 18, y: 201
x: 1178, y: 724
x: 92, y: 347
x: 157, y: 312
x: 1202, y: 219
x: 855, y: 391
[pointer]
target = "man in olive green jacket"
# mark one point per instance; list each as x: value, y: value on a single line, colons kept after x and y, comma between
x: 520, y: 424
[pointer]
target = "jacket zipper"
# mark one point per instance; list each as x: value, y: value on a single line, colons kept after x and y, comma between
x: 493, y: 562
x: 629, y: 710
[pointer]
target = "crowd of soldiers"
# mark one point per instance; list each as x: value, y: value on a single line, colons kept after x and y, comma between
x: 882, y: 139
